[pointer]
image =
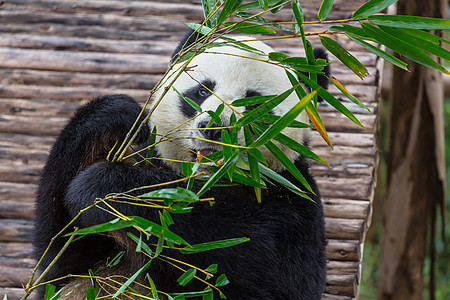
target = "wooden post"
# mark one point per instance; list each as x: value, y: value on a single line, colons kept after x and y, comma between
x: 416, y: 170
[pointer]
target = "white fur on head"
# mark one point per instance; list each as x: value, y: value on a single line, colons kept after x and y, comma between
x: 233, y: 76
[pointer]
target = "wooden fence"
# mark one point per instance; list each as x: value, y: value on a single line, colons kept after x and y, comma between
x: 55, y: 54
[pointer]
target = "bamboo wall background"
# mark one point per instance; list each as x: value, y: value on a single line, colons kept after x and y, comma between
x: 56, y: 54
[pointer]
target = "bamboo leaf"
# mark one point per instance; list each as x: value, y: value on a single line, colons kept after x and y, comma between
x: 208, y: 8
x: 144, y: 246
x: 348, y: 94
x: 283, y: 181
x: 264, y: 108
x: 298, y: 17
x: 189, y: 101
x: 277, y: 56
x: 252, y: 100
x: 222, y: 280
x: 371, y: 7
x: 270, y: 119
x: 252, y: 162
x: 248, y: 27
x: 284, y: 121
x: 178, y: 193
x: 186, y: 277
x: 153, y: 287
x: 318, y: 124
x: 330, y: 99
x: 131, y: 279
x: 203, y: 29
x: 325, y: 9
x: 260, y: 20
x: 229, y: 7
x: 424, y: 45
x: 402, y: 47
x: 424, y: 35
x: 286, y: 162
x: 344, y: 56
x: 213, y: 245
x: 255, y: 5
x: 351, y: 30
x: 214, y: 178
x: 383, y: 54
x: 264, y: 4
x: 310, y: 109
x: 410, y: 22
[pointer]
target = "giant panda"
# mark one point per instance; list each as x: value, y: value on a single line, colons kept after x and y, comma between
x: 285, y: 257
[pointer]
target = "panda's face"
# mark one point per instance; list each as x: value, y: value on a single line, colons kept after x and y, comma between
x: 220, y: 75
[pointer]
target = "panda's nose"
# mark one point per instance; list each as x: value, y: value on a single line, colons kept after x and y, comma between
x: 210, y: 133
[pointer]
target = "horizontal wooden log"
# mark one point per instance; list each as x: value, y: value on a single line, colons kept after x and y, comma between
x: 343, y: 285
x: 24, y: 263
x: 17, y: 191
x: 58, y: 43
x: 344, y: 229
x: 345, y: 209
x: 61, y: 78
x: 16, y: 210
x: 82, y: 61
x: 336, y: 297
x: 342, y: 267
x: 16, y: 250
x: 14, y: 277
x: 343, y: 250
x: 15, y: 231
x: 348, y: 188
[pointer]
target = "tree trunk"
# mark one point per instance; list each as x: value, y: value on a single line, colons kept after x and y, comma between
x: 415, y: 170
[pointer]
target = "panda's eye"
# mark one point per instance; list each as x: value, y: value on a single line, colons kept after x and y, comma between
x: 202, y: 92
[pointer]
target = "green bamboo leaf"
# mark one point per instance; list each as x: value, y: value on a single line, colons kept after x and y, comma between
x: 351, y: 30
x: 151, y: 144
x: 255, y: 5
x: 402, y: 47
x: 278, y: 6
x: 186, y: 277
x: 90, y: 293
x: 264, y: 4
x: 252, y: 162
x: 330, y: 99
x: 325, y: 9
x: 157, y: 230
x: 252, y: 100
x: 260, y: 20
x: 348, y: 94
x: 178, y: 194
x: 311, y: 110
x: 371, y: 7
x: 241, y: 46
x: 213, y: 245
x: 208, y: 8
x: 277, y: 56
x: 344, y: 56
x: 286, y: 162
x: 298, y: 17
x: 270, y: 119
x: 248, y: 27
x: 410, y: 22
x: 222, y: 280
x: 301, y: 64
x: 138, y: 240
x: 284, y: 121
x: 214, y: 178
x: 227, y: 151
x: 264, y: 108
x: 215, y: 116
x: 49, y: 291
x: 383, y: 54
x: 424, y: 35
x: 131, y: 279
x: 282, y: 181
x: 203, y: 29
x: 189, y: 101
x: 229, y: 7
x: 418, y: 42
x: 152, y: 287
x: 294, y: 145
x: 115, y: 224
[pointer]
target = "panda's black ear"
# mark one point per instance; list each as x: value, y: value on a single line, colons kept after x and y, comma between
x: 322, y: 80
x: 190, y: 38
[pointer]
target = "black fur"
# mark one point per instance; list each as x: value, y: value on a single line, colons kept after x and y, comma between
x: 285, y: 258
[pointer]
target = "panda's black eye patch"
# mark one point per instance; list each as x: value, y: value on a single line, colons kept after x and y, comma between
x: 198, y: 94
x: 251, y: 93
